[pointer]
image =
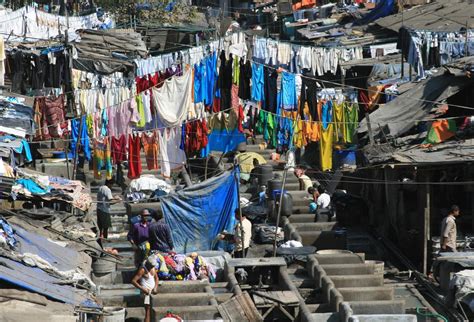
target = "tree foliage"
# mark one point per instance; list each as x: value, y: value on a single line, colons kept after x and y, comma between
x: 155, y: 13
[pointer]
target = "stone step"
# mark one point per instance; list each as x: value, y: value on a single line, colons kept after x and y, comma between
x: 302, y: 218
x: 314, y: 226
x: 311, y: 295
x: 303, y: 209
x: 300, y: 202
x: 326, y: 317
x: 367, y: 248
x: 367, y: 293
x: 378, y: 307
x: 356, y: 280
x: 319, y: 308
x: 323, y: 239
x: 182, y: 299
x: 348, y: 269
x: 300, y: 271
x: 302, y: 282
x: 340, y: 258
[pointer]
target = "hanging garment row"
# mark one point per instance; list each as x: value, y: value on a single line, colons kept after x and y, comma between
x: 164, y: 149
x: 427, y: 49
x: 87, y: 80
x: 232, y: 44
x: 35, y: 70
x: 28, y: 21
x: 281, y: 100
x: 296, y: 58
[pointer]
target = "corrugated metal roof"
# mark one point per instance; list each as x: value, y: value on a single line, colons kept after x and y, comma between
x: 446, y: 152
x: 417, y: 102
x: 436, y: 16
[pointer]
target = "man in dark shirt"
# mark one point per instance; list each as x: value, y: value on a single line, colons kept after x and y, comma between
x: 160, y: 235
x: 139, y: 231
x: 138, y: 237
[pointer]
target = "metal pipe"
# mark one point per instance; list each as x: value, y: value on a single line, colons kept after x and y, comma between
x: 285, y: 172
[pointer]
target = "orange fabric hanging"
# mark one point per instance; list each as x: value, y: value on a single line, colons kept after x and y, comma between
x: 150, y: 146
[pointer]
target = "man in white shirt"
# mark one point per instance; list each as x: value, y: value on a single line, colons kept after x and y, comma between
x: 324, y: 200
x: 247, y: 228
x: 449, y: 231
x: 104, y: 200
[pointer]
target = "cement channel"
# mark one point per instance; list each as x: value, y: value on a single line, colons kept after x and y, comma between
x: 338, y: 283
x: 330, y: 287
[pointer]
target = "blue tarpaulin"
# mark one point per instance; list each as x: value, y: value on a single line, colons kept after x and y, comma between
x: 196, y: 215
x: 225, y: 141
x: 35, y: 279
x: 384, y: 8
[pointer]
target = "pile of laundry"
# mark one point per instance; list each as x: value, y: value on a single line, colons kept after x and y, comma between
x: 30, y: 184
x: 147, y: 188
x: 179, y: 267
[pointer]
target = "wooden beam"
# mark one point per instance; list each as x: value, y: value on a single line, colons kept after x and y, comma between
x: 426, y: 228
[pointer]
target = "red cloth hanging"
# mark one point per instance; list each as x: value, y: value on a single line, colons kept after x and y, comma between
x: 205, y: 131
x: 134, y: 162
x: 119, y: 149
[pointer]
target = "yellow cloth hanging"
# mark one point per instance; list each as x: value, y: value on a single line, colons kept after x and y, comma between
x: 141, y: 111
x: 327, y: 136
x: 338, y: 110
x: 298, y: 134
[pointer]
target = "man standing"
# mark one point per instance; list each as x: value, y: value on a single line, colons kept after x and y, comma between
x: 324, y: 199
x: 138, y: 237
x: 448, y: 230
x: 304, y: 180
x: 247, y: 228
x: 146, y: 280
x: 160, y: 235
x: 104, y: 200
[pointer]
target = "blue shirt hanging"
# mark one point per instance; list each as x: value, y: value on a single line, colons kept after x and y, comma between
x: 83, y: 136
x: 288, y: 89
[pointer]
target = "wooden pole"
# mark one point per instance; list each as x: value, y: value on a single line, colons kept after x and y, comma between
x: 466, y: 49
x: 242, y: 233
x: 67, y: 157
x: 369, y: 128
x: 285, y: 173
x: 427, y: 233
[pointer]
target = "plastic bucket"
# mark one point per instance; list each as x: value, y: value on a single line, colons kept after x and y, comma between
x: 113, y: 314
x: 102, y: 266
x: 378, y: 266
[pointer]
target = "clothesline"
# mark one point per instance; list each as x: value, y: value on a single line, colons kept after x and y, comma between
x: 274, y: 68
x: 267, y: 112
x: 360, y: 88
x: 354, y: 87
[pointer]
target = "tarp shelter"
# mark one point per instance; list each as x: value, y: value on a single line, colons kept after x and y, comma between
x: 399, y: 115
x: 245, y: 160
x: 449, y: 16
x: 224, y: 140
x: 196, y: 215
x: 383, y: 9
x: 108, y: 51
x: 37, y: 280
x: 16, y: 118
